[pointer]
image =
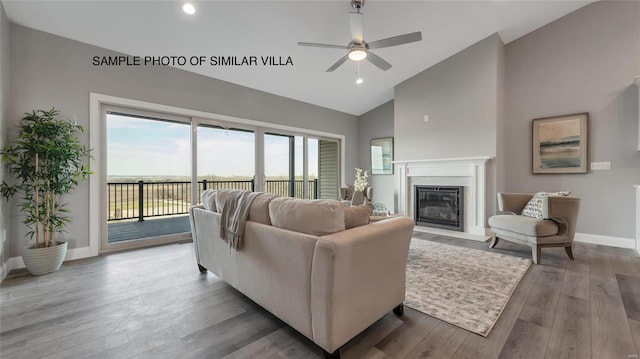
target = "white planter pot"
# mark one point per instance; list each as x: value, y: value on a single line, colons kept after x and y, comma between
x: 41, y: 261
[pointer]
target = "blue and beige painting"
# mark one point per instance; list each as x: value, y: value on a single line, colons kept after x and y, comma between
x: 560, y: 144
x: 560, y: 153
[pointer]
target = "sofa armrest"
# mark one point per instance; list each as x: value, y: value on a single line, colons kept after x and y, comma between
x: 513, y: 202
x: 564, y: 211
x: 357, y: 276
x: 193, y: 229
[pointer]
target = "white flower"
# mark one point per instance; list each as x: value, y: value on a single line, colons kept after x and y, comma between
x: 360, y: 183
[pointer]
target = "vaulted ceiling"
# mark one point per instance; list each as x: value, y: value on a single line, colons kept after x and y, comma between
x: 273, y: 28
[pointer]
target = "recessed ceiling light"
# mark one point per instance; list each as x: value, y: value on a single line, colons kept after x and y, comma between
x: 188, y: 8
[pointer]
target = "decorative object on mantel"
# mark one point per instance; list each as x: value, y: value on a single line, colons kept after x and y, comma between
x: 382, y: 156
x: 47, y: 161
x: 466, y: 287
x: 560, y: 144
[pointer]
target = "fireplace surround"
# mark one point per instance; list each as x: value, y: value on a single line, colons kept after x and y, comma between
x: 467, y: 172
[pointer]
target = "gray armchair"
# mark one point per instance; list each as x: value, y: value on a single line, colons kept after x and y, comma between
x: 556, y: 229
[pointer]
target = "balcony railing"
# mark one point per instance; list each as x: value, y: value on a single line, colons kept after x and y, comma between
x: 139, y: 200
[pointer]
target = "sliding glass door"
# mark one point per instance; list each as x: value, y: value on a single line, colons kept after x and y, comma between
x: 292, y: 166
x: 158, y: 164
x: 148, y: 180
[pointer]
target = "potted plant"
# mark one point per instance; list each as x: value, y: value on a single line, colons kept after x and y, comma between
x: 47, y: 161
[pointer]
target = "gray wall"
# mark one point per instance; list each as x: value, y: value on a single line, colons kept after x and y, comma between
x: 4, y: 95
x: 462, y: 96
x: 375, y: 124
x: 47, y: 70
x: 583, y: 62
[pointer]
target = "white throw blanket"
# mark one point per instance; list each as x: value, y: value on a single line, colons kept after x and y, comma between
x: 234, y: 215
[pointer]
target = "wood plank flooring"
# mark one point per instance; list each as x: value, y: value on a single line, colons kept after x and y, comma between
x: 153, y: 303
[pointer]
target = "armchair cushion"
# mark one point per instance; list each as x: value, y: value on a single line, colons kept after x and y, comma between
x: 534, y: 207
x: 524, y: 225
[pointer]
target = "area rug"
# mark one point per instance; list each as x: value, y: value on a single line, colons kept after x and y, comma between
x: 466, y: 287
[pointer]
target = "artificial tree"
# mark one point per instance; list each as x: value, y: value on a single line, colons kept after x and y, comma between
x: 47, y: 161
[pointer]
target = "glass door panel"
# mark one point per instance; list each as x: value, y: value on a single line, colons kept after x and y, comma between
x: 148, y: 182
x: 226, y: 158
x: 279, y: 164
x: 312, y: 167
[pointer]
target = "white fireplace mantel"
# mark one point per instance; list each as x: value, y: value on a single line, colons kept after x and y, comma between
x: 469, y: 172
x: 637, y: 82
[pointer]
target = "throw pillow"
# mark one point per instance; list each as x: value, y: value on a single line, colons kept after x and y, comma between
x: 356, y: 216
x: 533, y: 208
x: 317, y: 217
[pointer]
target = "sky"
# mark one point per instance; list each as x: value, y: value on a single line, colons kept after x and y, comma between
x: 140, y: 147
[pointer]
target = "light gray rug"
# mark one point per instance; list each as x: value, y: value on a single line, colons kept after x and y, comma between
x: 466, y: 287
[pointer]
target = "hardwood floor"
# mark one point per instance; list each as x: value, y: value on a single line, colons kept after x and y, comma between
x: 154, y: 303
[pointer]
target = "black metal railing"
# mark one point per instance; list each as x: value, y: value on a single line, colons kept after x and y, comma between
x: 139, y: 200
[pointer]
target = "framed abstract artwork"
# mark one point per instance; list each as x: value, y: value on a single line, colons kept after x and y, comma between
x: 382, y: 156
x: 560, y: 144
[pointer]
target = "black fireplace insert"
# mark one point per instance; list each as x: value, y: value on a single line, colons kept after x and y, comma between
x: 440, y: 207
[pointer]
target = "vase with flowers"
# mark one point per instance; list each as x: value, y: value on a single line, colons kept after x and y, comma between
x: 359, y: 187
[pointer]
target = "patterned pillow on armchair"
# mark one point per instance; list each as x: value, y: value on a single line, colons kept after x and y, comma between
x: 533, y: 209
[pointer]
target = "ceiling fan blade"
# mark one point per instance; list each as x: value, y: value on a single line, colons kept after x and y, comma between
x: 378, y: 61
x: 396, y: 40
x: 338, y: 63
x: 313, y: 44
x: 356, y: 20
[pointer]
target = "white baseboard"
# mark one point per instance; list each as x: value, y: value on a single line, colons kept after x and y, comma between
x: 579, y: 237
x: 18, y: 263
x: 605, y: 240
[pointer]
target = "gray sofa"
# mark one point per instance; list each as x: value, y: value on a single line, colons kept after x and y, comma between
x: 310, y: 263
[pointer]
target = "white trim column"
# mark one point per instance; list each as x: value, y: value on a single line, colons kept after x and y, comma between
x: 637, y: 217
x: 637, y: 82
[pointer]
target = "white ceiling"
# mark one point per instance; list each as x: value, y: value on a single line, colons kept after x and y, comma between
x: 273, y: 28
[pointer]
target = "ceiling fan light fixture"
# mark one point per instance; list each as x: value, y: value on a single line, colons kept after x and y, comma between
x: 189, y: 8
x: 359, y: 80
x: 357, y: 55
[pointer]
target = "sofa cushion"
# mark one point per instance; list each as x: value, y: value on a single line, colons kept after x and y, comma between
x: 259, y: 210
x: 533, y: 208
x: 356, y: 216
x: 208, y: 199
x: 315, y: 217
x: 524, y: 225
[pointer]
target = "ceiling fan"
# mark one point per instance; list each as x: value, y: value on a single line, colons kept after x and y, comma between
x: 358, y: 49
